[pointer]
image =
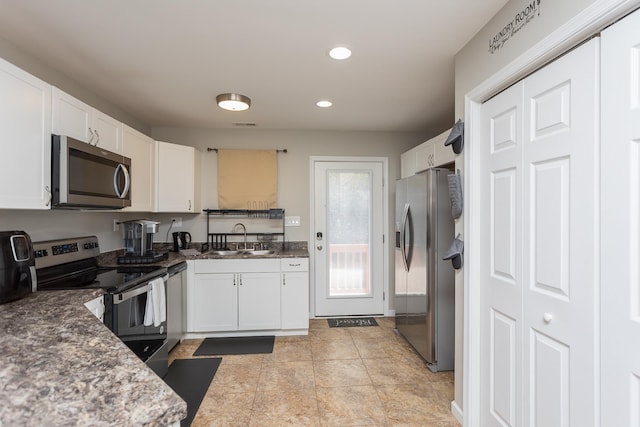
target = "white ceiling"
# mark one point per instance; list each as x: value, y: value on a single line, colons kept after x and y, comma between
x: 164, y: 61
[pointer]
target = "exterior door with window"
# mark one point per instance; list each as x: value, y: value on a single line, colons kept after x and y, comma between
x: 348, y: 238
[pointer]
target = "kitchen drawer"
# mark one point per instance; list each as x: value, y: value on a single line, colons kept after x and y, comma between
x: 237, y: 265
x: 294, y: 264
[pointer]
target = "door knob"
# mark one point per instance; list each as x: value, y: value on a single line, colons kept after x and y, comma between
x: 547, y: 317
x: 319, y: 247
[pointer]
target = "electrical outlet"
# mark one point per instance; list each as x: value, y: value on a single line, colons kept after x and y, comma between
x: 292, y: 221
x: 116, y: 224
x: 177, y: 221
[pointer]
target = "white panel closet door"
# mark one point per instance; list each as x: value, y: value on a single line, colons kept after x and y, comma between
x: 620, y: 266
x: 560, y: 240
x: 501, y: 259
x: 539, y: 237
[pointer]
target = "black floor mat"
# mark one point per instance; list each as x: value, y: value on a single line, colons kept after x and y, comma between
x: 190, y: 379
x: 235, y: 345
x: 350, y: 322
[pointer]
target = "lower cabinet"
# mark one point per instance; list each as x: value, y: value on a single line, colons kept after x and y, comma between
x: 248, y: 295
x: 294, y: 293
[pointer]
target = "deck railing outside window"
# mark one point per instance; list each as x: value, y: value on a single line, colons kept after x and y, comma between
x: 349, y: 269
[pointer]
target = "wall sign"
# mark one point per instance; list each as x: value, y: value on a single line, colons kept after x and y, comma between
x: 522, y: 18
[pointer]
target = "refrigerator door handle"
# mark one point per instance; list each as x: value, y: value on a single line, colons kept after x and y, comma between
x: 405, y: 217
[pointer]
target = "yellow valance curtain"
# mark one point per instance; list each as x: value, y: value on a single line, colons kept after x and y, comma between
x: 247, y: 179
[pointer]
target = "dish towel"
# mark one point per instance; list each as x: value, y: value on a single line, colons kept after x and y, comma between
x: 156, y: 310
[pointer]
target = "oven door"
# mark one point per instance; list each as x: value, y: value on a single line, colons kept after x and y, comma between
x: 124, y: 315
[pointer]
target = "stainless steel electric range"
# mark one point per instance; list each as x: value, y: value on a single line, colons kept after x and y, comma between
x: 73, y: 264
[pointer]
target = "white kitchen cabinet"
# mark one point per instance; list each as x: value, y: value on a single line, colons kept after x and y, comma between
x: 442, y: 154
x: 74, y: 118
x: 25, y: 120
x: 258, y: 301
x: 425, y: 156
x: 430, y: 154
x: 294, y: 293
x: 177, y: 178
x: 213, y: 303
x: 408, y: 163
x: 234, y: 295
x: 141, y: 150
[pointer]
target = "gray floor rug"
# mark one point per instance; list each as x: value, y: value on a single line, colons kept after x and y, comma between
x: 352, y: 322
x: 235, y: 345
x: 190, y: 379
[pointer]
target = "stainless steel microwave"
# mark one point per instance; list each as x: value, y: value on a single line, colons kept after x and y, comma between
x: 86, y: 176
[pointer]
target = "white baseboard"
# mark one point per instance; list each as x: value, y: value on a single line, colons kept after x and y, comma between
x: 457, y: 412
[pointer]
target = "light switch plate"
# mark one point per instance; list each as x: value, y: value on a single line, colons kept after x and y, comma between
x: 292, y: 221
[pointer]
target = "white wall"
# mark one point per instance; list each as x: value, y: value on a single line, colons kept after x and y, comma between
x: 293, y: 166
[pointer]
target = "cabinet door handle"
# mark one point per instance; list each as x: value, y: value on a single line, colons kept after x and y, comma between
x: 284, y: 280
x: 98, y: 140
x: 240, y: 279
x: 48, y: 190
x: 234, y: 279
x: 91, y: 136
x: 189, y: 205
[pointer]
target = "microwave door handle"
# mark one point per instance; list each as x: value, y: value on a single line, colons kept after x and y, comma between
x: 121, y: 194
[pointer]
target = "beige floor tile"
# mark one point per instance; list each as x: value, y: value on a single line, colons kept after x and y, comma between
x: 243, y: 359
x: 332, y: 377
x: 351, y: 406
x: 372, y: 332
x: 318, y: 324
x: 287, y: 376
x: 289, y: 408
x: 236, y: 378
x: 340, y: 373
x: 334, y: 350
x: 379, y: 348
x: 386, y: 322
x: 289, y: 351
x: 417, y: 404
x: 224, y: 409
x: 329, y: 334
x: 395, y: 371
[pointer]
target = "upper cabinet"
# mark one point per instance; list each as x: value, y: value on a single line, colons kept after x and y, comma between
x: 177, y: 178
x: 78, y: 120
x: 430, y: 154
x: 25, y: 146
x: 140, y: 149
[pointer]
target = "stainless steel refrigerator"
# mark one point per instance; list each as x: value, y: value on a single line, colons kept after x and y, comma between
x: 424, y: 283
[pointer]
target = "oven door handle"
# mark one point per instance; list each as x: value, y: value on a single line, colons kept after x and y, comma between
x: 124, y: 296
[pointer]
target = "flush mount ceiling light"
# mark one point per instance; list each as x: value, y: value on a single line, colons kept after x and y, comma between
x: 324, y: 104
x: 233, y: 101
x: 340, y: 53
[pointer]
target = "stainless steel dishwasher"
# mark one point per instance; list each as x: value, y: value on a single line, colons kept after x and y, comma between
x: 175, y: 303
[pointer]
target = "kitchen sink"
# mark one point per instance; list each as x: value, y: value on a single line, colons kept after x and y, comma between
x: 258, y: 252
x: 226, y: 253
x: 242, y: 252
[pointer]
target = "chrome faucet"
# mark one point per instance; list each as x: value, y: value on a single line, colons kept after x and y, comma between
x: 245, y: 233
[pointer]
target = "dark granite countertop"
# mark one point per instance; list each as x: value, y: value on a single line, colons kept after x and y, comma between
x: 62, y: 366
x: 110, y: 259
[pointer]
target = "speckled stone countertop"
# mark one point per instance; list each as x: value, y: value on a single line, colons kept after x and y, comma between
x: 293, y: 250
x: 61, y: 366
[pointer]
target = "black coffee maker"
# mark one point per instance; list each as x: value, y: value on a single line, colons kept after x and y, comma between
x: 181, y: 240
x: 17, y: 266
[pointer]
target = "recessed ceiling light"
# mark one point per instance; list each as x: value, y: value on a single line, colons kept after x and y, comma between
x: 340, y: 53
x: 324, y: 104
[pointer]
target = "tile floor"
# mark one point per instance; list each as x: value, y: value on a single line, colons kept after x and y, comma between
x: 361, y: 376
